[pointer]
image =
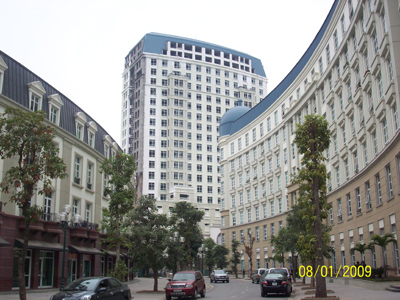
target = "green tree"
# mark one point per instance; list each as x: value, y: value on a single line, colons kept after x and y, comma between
x: 149, y: 235
x: 220, y: 252
x: 235, y: 258
x: 119, y: 170
x: 248, y: 249
x: 279, y: 244
x: 186, y: 219
x: 312, y: 139
x: 28, y: 141
x: 362, y: 248
x: 209, y: 259
x: 383, y: 241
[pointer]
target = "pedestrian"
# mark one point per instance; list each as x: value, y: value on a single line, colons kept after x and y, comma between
x: 357, y: 264
x: 244, y: 273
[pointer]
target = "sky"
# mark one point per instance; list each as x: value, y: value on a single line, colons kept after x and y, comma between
x: 79, y: 46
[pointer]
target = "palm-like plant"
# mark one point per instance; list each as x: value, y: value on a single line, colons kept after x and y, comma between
x: 382, y: 241
x: 360, y: 247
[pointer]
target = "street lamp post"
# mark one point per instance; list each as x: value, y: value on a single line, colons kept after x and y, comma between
x: 201, y: 251
x: 177, y: 239
x: 64, y: 223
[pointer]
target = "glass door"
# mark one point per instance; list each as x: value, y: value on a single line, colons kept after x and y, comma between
x: 46, y: 268
x: 72, y: 270
x: 86, y: 268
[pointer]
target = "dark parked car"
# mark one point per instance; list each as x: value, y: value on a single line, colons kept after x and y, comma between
x: 186, y: 284
x: 89, y: 288
x: 275, y: 283
x: 281, y: 271
x: 219, y: 275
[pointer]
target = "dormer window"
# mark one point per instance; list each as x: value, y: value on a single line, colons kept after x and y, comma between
x: 55, y: 104
x: 80, y: 120
x: 107, y: 145
x: 36, y: 92
x: 91, y: 133
x: 3, y: 67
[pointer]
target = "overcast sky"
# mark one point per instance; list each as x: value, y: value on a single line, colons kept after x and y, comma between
x: 79, y: 46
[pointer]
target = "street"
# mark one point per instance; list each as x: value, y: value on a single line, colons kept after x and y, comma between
x: 236, y: 289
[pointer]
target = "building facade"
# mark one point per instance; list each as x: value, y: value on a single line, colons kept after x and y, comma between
x: 83, y: 145
x: 175, y: 91
x: 350, y: 74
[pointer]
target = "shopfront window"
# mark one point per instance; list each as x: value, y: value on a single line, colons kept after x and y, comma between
x: 28, y: 268
x: 46, y: 268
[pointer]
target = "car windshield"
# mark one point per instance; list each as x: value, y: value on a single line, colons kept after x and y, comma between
x: 275, y: 276
x: 219, y: 272
x: 278, y: 271
x: 82, y: 285
x: 183, y: 276
x: 262, y: 271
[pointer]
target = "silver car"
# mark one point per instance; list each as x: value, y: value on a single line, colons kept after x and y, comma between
x: 219, y: 275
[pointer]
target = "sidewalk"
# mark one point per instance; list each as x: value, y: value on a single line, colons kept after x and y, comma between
x: 346, y: 292
x: 138, y: 284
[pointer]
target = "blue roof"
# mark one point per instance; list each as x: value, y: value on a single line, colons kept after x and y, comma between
x: 232, y: 115
x: 264, y: 104
x: 156, y: 42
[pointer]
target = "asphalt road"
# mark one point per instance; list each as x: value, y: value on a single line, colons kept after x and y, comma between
x: 238, y: 290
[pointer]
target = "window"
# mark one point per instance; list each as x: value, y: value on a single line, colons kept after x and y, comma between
x: 389, y: 181
x: 88, y: 212
x: 349, y: 206
x: 339, y: 210
x: 358, y: 199
x: 378, y: 189
x: 89, y: 176
x: 368, y: 196
x: 77, y: 170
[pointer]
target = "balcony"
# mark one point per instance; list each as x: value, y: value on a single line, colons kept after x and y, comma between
x: 341, y: 119
x: 346, y: 72
x: 361, y: 134
x: 366, y: 82
x: 343, y: 152
x: 381, y: 109
x: 349, y: 109
x: 363, y: 43
x: 77, y: 180
x: 338, y: 86
x: 89, y: 186
x: 384, y: 47
x: 371, y: 123
x: 390, y: 94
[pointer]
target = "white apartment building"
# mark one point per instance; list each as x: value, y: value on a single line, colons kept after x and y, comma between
x: 175, y: 91
x: 350, y: 74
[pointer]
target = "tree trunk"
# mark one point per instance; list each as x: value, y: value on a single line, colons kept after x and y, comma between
x: 189, y: 256
x: 118, y: 243
x: 22, y: 254
x: 312, y: 278
x: 293, y: 269
x: 155, y: 276
x: 320, y: 291
x: 384, y: 264
x: 304, y: 280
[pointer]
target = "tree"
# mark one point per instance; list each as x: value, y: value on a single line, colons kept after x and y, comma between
x: 26, y: 138
x: 186, y: 220
x: 279, y: 244
x: 220, y: 252
x: 149, y: 235
x: 209, y: 259
x: 235, y: 258
x: 383, y: 241
x: 362, y: 248
x: 119, y: 170
x: 312, y: 139
x: 248, y: 249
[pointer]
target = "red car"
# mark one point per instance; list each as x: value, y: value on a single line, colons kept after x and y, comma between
x: 186, y: 284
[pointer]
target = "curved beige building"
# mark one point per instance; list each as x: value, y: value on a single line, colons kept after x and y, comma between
x: 350, y: 75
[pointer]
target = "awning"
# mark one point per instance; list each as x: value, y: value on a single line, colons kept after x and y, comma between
x: 4, y: 243
x: 84, y: 250
x: 113, y: 253
x: 40, y: 245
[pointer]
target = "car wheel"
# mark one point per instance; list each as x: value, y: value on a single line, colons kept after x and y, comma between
x: 288, y: 292
x: 262, y: 294
x: 203, y: 293
x: 228, y: 281
x: 168, y: 297
x: 252, y: 281
x: 195, y: 294
x: 210, y: 280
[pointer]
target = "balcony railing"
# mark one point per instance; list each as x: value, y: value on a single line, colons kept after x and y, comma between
x: 77, y: 180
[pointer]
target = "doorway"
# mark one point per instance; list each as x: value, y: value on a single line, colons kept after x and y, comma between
x: 46, y: 268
